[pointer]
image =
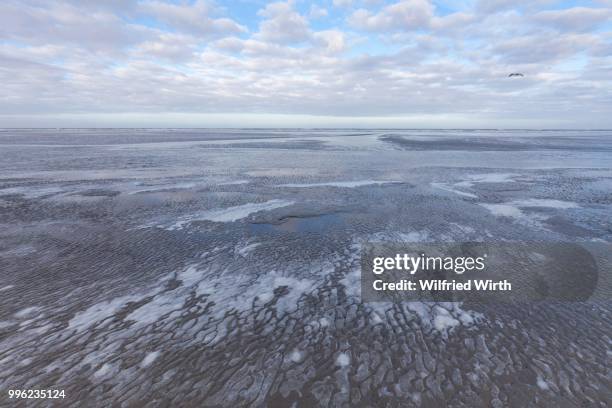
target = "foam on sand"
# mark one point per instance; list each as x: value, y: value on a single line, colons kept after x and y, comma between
x: 98, y: 312
x: 296, y: 356
x: 443, y: 320
x: 504, y: 210
x: 149, y: 359
x: 542, y: 384
x: 474, y: 179
x: 230, y: 214
x: 234, y: 183
x: 513, y: 208
x: 166, y: 187
x: 493, y: 177
x: 536, y: 202
x: 446, y: 187
x: 340, y: 184
x: 245, y: 250
x: 27, y: 312
x: 104, y: 371
x: 343, y: 360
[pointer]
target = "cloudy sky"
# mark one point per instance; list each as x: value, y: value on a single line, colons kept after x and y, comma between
x: 345, y: 63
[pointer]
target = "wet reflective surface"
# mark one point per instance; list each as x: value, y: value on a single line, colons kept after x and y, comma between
x: 221, y: 268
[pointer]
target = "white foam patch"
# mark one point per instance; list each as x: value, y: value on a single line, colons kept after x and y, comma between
x: 98, y: 312
x: 227, y: 290
x: 394, y: 236
x: 283, y: 172
x: 177, y: 186
x: 446, y: 187
x: 103, y: 371
x: 296, y: 287
x: 265, y: 297
x: 343, y: 360
x: 190, y: 275
x: 296, y: 356
x: 352, y: 283
x: 245, y: 250
x: 156, y: 309
x: 230, y: 214
x: 536, y: 202
x: 443, y: 320
x: 493, y: 178
x: 7, y: 287
x: 503, y: 210
x: 414, y: 236
x: 149, y: 359
x: 27, y: 312
x: 341, y: 184
x: 233, y: 183
x: 513, y: 208
x: 542, y: 384
x: 463, y: 229
x: 444, y: 315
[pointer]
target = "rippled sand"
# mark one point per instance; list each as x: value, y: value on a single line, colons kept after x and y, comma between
x: 221, y: 268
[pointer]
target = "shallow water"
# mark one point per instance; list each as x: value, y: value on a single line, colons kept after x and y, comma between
x: 315, y: 223
x: 203, y: 268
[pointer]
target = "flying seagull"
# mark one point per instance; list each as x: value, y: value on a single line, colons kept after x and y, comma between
x: 515, y: 74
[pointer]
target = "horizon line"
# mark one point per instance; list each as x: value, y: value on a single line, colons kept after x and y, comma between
x: 291, y: 128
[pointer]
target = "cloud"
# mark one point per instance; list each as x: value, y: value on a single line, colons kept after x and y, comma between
x: 575, y: 19
x: 171, y: 46
x: 543, y: 47
x: 404, y: 15
x: 334, y: 41
x: 282, y: 24
x: 493, y: 6
x: 496, y: 6
x: 453, y: 21
x: 195, y: 18
x: 342, y: 3
x: 66, y: 24
x: 403, y: 60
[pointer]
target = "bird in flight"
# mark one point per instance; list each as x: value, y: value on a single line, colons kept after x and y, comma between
x: 515, y: 74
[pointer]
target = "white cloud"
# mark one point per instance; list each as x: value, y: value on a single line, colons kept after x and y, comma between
x: 575, y: 19
x: 342, y: 3
x: 404, y: 15
x: 171, y: 46
x: 453, y: 21
x: 543, y: 47
x: 334, y: 41
x: 195, y: 18
x: 492, y: 6
x: 35, y: 24
x: 282, y: 24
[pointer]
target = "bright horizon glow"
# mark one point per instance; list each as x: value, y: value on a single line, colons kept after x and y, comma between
x: 260, y: 121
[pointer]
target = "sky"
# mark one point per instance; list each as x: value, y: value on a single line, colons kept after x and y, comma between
x: 327, y: 63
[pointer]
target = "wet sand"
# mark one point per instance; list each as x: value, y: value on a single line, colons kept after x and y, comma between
x: 221, y: 268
